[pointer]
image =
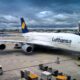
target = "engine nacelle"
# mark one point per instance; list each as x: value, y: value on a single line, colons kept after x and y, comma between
x: 27, y: 48
x: 2, y: 46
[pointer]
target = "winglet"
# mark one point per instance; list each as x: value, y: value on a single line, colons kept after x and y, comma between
x: 24, y: 26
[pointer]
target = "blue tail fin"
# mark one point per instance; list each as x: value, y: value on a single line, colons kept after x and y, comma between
x: 24, y: 26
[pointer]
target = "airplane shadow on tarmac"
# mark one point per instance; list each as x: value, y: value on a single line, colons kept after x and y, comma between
x: 39, y: 50
x: 6, y: 52
x: 53, y: 51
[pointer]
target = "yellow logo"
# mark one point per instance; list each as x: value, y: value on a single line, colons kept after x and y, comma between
x: 23, y: 25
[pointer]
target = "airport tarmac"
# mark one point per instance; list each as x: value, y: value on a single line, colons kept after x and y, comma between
x: 15, y: 60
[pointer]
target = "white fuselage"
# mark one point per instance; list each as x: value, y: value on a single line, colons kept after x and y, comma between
x: 67, y: 41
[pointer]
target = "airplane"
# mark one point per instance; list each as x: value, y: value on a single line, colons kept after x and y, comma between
x: 64, y: 41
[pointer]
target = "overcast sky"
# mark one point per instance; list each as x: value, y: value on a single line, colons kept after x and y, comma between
x: 39, y: 12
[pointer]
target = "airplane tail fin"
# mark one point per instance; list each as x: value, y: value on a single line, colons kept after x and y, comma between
x: 24, y: 26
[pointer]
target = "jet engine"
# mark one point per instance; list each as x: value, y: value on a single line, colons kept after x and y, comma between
x: 2, y: 46
x: 27, y: 48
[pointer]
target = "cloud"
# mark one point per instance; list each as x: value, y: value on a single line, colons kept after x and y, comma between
x: 44, y: 14
x: 51, y: 18
x: 61, y: 16
x: 39, y: 12
x: 43, y: 18
x: 32, y: 22
x: 8, y: 19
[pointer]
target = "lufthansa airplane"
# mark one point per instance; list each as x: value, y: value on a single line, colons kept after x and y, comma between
x: 65, y: 41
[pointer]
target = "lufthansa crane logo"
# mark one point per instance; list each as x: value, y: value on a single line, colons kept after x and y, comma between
x: 23, y: 25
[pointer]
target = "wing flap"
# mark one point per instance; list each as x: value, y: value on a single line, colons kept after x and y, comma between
x: 12, y: 41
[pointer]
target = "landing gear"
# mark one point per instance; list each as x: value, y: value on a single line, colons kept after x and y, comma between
x: 17, y: 46
x: 1, y: 70
x: 78, y: 58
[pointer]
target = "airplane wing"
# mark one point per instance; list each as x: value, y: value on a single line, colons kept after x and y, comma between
x: 33, y: 42
x: 12, y: 41
x: 40, y: 42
